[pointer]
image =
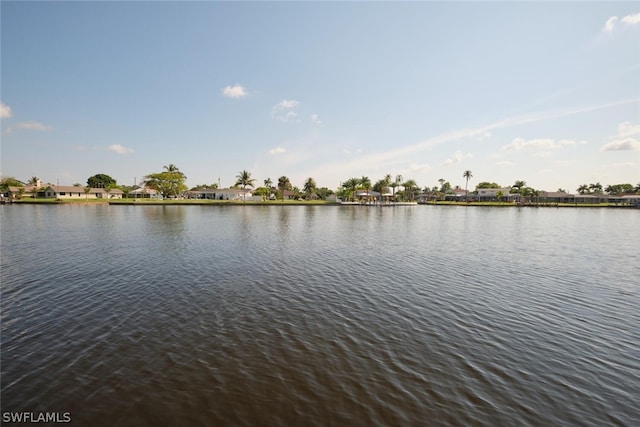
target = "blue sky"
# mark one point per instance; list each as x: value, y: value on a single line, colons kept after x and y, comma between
x: 544, y: 92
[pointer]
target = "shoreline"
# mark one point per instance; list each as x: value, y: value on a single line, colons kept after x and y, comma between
x: 308, y: 203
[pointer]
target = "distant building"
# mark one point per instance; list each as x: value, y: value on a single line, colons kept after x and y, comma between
x: 77, y: 192
x: 238, y: 194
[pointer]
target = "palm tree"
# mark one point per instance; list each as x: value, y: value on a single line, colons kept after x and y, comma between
x: 309, y: 186
x: 409, y: 185
x: 268, y: 183
x: 283, y: 184
x: 596, y: 188
x: 518, y: 186
x: 171, y: 168
x: 86, y: 190
x: 393, y: 186
x: 34, y: 180
x: 583, y: 189
x: 467, y: 175
x: 244, y: 179
x: 352, y: 184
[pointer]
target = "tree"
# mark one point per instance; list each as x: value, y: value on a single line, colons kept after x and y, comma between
x: 283, y: 184
x: 8, y: 181
x: 263, y: 192
x: 309, y: 187
x: 595, y: 188
x: 168, y: 183
x: 204, y: 186
x: 34, y: 180
x: 323, y: 193
x: 583, y: 189
x: 86, y: 190
x: 467, y: 175
x: 517, y: 187
x: 352, y: 185
x: 100, y: 181
x: 485, y: 184
x: 244, y: 179
x: 409, y: 186
x: 393, y: 186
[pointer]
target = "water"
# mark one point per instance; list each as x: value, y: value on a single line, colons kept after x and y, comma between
x: 318, y: 316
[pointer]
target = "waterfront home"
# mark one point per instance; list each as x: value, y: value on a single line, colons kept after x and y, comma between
x: 144, y: 193
x: 77, y: 192
x: 237, y: 194
x: 491, y: 194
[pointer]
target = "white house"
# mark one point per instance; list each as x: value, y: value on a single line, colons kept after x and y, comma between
x: 237, y: 194
x: 77, y: 192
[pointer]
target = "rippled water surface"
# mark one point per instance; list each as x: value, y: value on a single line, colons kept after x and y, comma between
x: 340, y: 316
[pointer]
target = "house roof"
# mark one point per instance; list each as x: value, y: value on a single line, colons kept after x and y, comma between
x: 556, y: 194
x: 367, y: 193
x: 74, y: 189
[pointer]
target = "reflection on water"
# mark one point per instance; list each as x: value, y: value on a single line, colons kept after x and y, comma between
x: 283, y: 315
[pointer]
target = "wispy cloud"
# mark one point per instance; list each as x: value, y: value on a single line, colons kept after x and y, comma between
x: 393, y: 158
x: 456, y: 157
x: 33, y: 126
x: 505, y: 163
x: 277, y: 150
x: 631, y: 19
x: 236, y: 91
x: 625, y: 140
x: 120, y: 149
x: 626, y: 144
x: 316, y: 119
x: 611, y: 23
x: 542, y: 143
x: 5, y: 111
x: 284, y: 111
x: 626, y: 129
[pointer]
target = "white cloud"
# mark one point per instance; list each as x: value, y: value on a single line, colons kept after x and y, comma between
x: 277, y: 150
x: 236, y: 91
x: 625, y: 139
x: 315, y: 119
x: 626, y: 144
x: 33, y: 126
x: 456, y: 157
x: 610, y: 24
x: 287, y: 104
x: 540, y: 143
x: 504, y: 163
x: 390, y: 158
x: 627, y: 129
x: 284, y: 112
x: 631, y: 19
x: 119, y: 149
x: 5, y: 111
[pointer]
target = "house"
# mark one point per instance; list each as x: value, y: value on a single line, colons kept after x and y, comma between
x: 489, y: 194
x: 238, y: 194
x: 25, y: 191
x: 556, y: 197
x: 144, y: 193
x: 77, y: 192
x: 456, y: 194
